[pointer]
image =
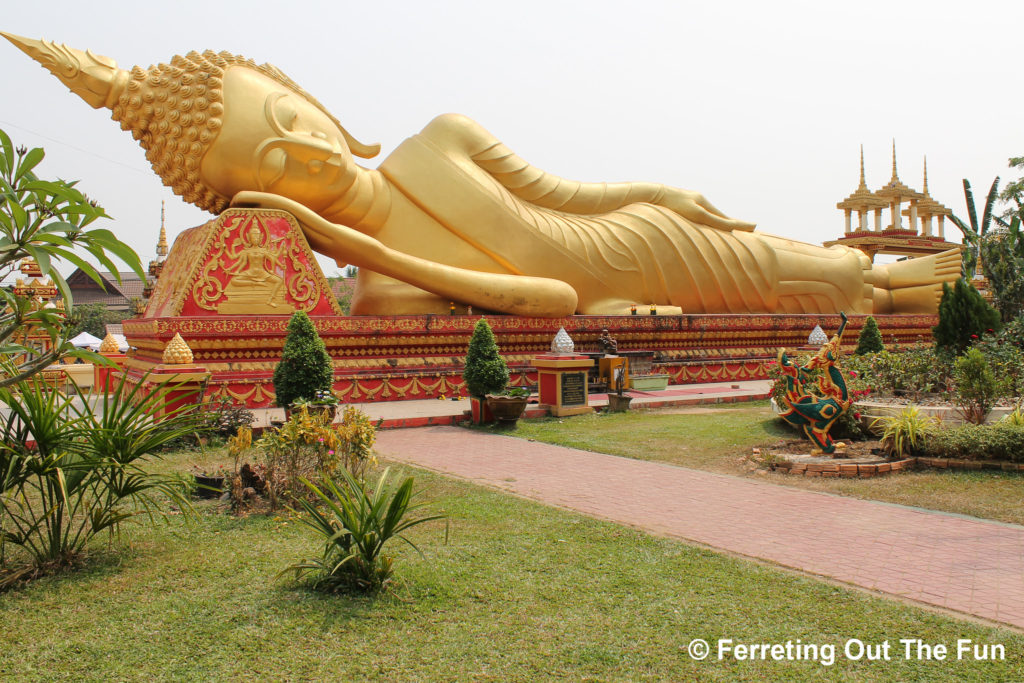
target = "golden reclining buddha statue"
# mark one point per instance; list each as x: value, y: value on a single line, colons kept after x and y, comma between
x: 454, y: 215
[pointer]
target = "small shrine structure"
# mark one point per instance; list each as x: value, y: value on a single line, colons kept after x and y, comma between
x: 918, y: 237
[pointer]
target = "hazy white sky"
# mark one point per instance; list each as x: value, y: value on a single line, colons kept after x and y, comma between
x: 759, y: 105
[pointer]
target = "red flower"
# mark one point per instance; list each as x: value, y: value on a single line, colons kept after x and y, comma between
x: 989, y: 329
x: 856, y: 416
x: 974, y: 336
x: 853, y: 373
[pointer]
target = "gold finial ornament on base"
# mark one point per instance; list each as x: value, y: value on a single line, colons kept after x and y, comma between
x: 110, y: 345
x: 454, y: 215
x: 177, y: 352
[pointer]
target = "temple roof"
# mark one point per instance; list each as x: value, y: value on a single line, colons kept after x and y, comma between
x: 895, y: 187
x: 862, y: 198
x: 928, y: 206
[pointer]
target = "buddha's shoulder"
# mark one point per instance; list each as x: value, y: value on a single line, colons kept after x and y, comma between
x: 458, y: 131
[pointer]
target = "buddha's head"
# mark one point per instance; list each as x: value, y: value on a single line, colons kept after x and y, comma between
x: 255, y: 236
x: 214, y: 124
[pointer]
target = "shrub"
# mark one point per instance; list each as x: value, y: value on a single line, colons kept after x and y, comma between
x: 72, y: 468
x: 848, y: 426
x: 305, y: 366
x: 354, y: 524
x: 1005, y: 356
x: 870, y: 339
x: 1001, y: 441
x: 309, y: 447
x: 963, y: 315
x: 976, y: 388
x: 485, y: 371
x: 904, y: 434
x: 913, y: 371
x: 357, y: 435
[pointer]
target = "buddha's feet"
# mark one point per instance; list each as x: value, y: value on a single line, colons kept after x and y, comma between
x: 914, y: 285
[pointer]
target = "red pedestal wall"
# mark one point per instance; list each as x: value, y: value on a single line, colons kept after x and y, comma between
x: 391, y: 358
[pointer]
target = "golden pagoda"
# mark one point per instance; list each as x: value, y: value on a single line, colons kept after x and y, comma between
x: 32, y: 286
x: 156, y: 265
x: 915, y: 238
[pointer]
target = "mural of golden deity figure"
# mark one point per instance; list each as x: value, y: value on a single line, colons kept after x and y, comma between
x: 255, y: 286
x: 454, y: 215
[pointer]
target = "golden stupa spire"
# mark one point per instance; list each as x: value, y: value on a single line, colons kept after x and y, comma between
x: 161, y: 245
x: 894, y: 176
x: 925, y: 190
x: 94, y: 78
x: 863, y: 182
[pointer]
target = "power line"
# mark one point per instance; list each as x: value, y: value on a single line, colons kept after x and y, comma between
x: 75, y: 147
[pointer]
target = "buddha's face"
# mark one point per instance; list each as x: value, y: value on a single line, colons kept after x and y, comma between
x: 255, y: 236
x: 274, y: 140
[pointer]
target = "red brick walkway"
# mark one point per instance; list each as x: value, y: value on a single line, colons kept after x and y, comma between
x: 958, y: 563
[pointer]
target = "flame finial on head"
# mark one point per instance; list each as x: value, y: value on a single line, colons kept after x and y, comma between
x: 94, y: 78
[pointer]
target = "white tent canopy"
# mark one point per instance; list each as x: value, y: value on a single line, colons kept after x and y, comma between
x: 86, y: 340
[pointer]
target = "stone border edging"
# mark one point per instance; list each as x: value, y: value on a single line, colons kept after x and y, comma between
x: 868, y: 470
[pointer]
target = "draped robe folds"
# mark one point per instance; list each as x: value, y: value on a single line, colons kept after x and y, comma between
x: 639, y: 253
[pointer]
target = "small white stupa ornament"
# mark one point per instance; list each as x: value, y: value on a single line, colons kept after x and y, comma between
x: 562, y: 343
x: 818, y: 336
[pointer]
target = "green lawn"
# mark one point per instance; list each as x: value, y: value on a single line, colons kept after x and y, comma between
x: 520, y: 592
x: 719, y: 438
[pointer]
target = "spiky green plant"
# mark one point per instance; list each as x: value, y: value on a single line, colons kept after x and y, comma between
x: 73, y: 466
x: 355, y: 523
x: 1015, y: 417
x: 903, y: 434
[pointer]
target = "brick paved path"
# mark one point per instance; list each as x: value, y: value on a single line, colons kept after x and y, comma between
x: 958, y: 563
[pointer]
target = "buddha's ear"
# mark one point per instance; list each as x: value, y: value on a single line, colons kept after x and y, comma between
x: 358, y: 148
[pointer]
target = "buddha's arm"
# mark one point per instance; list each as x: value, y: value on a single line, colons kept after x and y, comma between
x: 549, y: 191
x: 513, y: 294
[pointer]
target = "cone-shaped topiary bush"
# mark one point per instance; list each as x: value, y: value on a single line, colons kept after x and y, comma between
x: 305, y: 367
x: 485, y: 371
x: 870, y: 339
x: 963, y: 317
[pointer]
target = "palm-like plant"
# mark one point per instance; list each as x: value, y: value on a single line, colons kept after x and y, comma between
x: 355, y: 523
x: 976, y: 230
x: 71, y: 468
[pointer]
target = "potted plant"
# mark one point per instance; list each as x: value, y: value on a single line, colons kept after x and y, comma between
x: 485, y: 371
x: 324, y: 402
x: 209, y: 481
x: 508, y: 406
x: 619, y: 401
x: 305, y: 374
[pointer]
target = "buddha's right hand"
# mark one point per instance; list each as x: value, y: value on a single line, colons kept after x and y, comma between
x: 695, y: 207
